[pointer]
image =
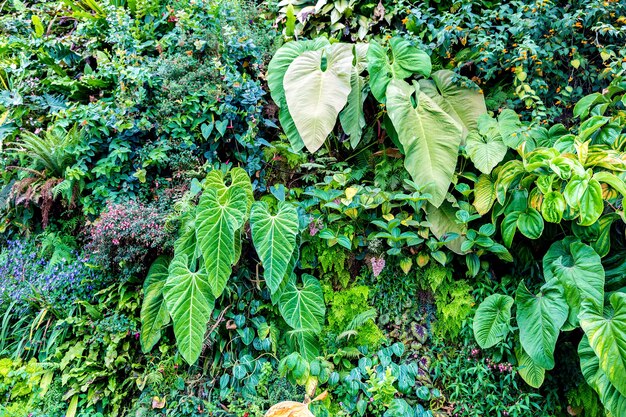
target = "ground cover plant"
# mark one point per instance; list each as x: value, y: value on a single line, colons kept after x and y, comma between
x: 298, y: 208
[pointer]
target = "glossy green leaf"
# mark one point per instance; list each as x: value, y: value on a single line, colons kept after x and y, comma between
x: 484, y: 194
x: 317, y: 85
x: 274, y: 237
x: 303, y: 306
x: 579, y: 270
x: 429, y: 136
x: 352, y: 118
x: 530, y: 372
x: 216, y: 222
x: 611, y: 398
x: 606, y: 331
x: 540, y: 317
x: 484, y: 151
x: 530, y: 223
x: 154, y: 314
x: 491, y: 322
x: 553, y: 206
x: 190, y: 302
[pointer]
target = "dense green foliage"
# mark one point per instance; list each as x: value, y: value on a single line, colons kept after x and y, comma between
x: 323, y: 208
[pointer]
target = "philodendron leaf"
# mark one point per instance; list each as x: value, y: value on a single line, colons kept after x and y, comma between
x: 485, y: 151
x: 317, y: 85
x: 465, y: 105
x: 579, y: 270
x: 553, y: 207
x: 611, y: 398
x: 429, y: 136
x: 606, y: 331
x: 406, y: 60
x: 303, y: 307
x: 305, y: 341
x: 491, y: 322
x: 238, y: 178
x: 585, y: 194
x: 352, y: 118
x: 274, y: 238
x: 216, y: 222
x: 530, y: 372
x: 154, y: 314
x: 275, y: 75
x: 190, y: 302
x: 540, y: 317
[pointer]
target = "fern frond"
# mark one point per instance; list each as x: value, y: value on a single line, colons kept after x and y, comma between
x: 361, y: 318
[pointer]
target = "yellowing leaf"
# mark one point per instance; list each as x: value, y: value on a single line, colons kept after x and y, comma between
x: 389, y: 217
x: 158, y: 402
x: 289, y: 409
x: 575, y: 63
x: 351, y: 192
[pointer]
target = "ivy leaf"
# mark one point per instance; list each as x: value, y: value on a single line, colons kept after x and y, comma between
x: 611, y: 398
x: 429, y: 136
x: 274, y: 238
x: 303, y: 307
x: 530, y: 372
x: 579, y: 270
x: 491, y: 322
x: 606, y: 331
x: 190, y: 302
x: 154, y: 314
x: 317, y: 85
x: 540, y: 317
x: 216, y: 222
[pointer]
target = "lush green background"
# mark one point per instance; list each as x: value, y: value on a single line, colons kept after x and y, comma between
x: 177, y: 239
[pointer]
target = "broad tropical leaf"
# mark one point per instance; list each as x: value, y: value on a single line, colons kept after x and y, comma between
x: 606, y: 331
x: 317, y: 85
x: 611, y: 398
x: 540, y: 317
x: 406, y: 60
x: 154, y: 314
x: 306, y: 342
x: 465, y: 105
x: 303, y: 307
x: 238, y: 178
x: 216, y: 222
x: 579, y: 270
x: 352, y: 117
x: 189, y: 300
x: 485, y: 151
x: 530, y: 372
x: 553, y: 207
x: 530, y: 223
x: 429, y: 136
x: 491, y: 322
x: 275, y: 75
x: 274, y: 238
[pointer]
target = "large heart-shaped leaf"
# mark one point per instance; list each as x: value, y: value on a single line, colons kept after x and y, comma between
x: 317, y: 85
x: 303, y: 307
x: 274, y: 238
x: 189, y: 300
x: 430, y: 138
x: 238, y: 178
x: 606, y: 331
x: 305, y: 341
x: 276, y: 70
x: 585, y: 194
x: 611, y: 398
x: 491, y: 322
x: 154, y: 314
x: 465, y: 105
x: 540, y: 318
x: 530, y: 372
x: 406, y: 60
x: 579, y: 270
x: 216, y: 222
x: 485, y: 151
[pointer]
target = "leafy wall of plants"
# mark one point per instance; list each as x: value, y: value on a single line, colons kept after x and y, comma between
x: 317, y: 208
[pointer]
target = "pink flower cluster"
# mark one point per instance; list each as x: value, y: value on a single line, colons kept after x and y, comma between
x: 315, y: 226
x: 377, y: 265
